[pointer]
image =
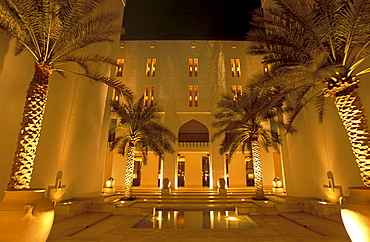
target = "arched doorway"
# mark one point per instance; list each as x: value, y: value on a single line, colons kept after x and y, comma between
x: 193, y: 161
x: 193, y: 131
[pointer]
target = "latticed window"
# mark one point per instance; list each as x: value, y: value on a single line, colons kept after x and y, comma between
x: 119, y: 67
x: 193, y: 67
x: 150, y: 67
x: 235, y: 68
x: 193, y: 96
x: 149, y: 96
x: 115, y: 95
x: 266, y: 69
x: 237, y: 91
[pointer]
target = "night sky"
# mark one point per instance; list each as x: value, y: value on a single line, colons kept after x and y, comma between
x: 187, y: 19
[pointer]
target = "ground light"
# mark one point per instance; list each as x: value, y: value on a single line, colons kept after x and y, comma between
x: 183, y: 219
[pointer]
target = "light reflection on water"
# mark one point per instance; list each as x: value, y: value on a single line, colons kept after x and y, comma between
x: 196, y: 220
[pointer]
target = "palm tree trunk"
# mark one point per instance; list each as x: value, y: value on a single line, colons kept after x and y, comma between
x: 130, y: 159
x: 351, y: 112
x: 28, y: 138
x: 257, y: 170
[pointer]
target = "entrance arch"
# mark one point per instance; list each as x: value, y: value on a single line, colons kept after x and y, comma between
x: 193, y: 131
x: 194, y: 163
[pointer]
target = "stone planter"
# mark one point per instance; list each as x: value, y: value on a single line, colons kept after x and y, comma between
x: 25, y: 215
x: 355, y: 212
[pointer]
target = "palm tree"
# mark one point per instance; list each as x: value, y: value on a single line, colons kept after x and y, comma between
x: 54, y: 33
x: 318, y: 49
x: 243, y: 122
x: 141, y: 131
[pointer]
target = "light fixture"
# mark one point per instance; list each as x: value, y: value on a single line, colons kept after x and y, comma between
x: 232, y: 218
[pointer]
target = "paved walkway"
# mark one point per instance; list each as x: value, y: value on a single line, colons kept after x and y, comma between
x: 274, y: 226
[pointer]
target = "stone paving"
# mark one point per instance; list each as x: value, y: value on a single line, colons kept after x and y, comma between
x: 279, y: 220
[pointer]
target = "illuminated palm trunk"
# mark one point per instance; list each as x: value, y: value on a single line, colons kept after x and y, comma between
x: 257, y: 170
x: 29, y: 134
x: 352, y: 114
x: 130, y: 159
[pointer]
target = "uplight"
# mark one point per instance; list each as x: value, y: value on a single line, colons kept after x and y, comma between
x: 232, y: 218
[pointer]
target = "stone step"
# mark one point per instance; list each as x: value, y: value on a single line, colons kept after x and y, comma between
x: 288, y: 208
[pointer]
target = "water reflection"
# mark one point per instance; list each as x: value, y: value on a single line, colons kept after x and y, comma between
x: 196, y: 220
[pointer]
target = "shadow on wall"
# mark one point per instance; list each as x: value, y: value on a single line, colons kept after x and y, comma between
x: 4, y: 48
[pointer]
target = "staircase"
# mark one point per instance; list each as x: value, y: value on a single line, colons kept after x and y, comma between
x: 148, y: 200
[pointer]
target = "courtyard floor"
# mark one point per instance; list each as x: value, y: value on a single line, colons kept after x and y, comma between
x: 278, y: 219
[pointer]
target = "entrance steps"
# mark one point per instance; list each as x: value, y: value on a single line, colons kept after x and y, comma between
x: 198, y: 199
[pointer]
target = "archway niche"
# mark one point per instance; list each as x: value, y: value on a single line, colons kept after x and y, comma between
x: 193, y: 131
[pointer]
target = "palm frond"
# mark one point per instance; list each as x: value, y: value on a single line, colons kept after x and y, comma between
x: 240, y: 121
x: 142, y: 125
x: 99, y: 29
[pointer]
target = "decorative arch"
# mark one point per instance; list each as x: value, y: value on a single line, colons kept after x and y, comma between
x: 193, y: 131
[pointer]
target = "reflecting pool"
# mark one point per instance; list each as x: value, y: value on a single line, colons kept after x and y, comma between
x: 196, y: 220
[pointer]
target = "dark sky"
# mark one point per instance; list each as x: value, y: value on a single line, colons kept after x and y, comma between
x: 187, y: 19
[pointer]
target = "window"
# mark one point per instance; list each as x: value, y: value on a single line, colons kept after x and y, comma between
x: 193, y: 67
x: 227, y: 162
x: 237, y: 91
x: 180, y: 171
x: 266, y: 69
x: 136, y: 176
x: 150, y: 67
x: 193, y: 96
x: 235, y: 68
x: 115, y: 95
x: 149, y: 96
x: 205, y: 171
x: 249, y: 171
x: 112, y: 131
x: 119, y: 68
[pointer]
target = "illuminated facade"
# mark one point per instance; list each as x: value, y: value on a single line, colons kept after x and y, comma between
x: 186, y: 78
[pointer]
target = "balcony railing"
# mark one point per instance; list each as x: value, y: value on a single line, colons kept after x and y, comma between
x: 193, y: 144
